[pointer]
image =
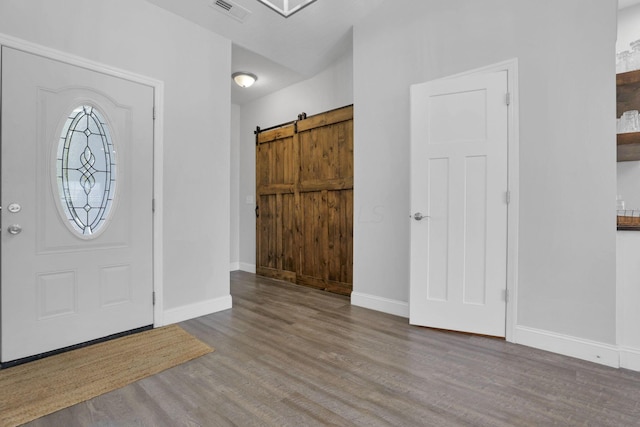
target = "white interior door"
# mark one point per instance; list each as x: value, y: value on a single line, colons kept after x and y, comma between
x: 77, y: 177
x: 459, y: 160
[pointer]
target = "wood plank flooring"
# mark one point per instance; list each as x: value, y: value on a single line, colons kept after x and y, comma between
x: 293, y: 356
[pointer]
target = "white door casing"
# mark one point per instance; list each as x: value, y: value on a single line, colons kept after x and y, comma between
x: 60, y: 289
x: 459, y: 182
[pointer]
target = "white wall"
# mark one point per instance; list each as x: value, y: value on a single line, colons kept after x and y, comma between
x: 629, y: 172
x: 566, y: 277
x: 194, y: 64
x: 234, y: 227
x: 333, y: 88
x: 628, y: 30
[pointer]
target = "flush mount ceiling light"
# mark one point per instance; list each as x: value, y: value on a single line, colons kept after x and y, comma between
x: 243, y: 79
x: 286, y: 8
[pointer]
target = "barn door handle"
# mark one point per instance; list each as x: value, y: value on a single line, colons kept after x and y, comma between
x: 257, y: 211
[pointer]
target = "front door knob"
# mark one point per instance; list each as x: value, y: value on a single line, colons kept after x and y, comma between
x: 14, y: 229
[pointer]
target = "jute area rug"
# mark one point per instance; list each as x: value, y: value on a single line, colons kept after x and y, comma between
x: 44, y: 386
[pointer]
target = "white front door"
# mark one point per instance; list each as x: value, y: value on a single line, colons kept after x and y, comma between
x: 76, y: 240
x: 459, y: 159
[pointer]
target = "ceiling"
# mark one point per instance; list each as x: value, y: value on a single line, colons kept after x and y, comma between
x: 280, y: 51
x: 626, y: 3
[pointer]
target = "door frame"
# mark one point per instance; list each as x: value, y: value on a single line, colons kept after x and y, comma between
x: 158, y: 105
x: 513, y: 185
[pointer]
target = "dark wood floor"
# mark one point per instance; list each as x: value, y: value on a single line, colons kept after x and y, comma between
x: 292, y: 356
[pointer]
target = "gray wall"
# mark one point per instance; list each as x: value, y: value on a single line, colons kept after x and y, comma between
x: 195, y: 65
x: 566, y: 277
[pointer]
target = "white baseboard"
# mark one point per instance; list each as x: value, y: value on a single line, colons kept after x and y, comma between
x: 180, y: 314
x: 385, y: 305
x: 630, y: 358
x: 234, y: 266
x: 593, y: 351
x: 249, y: 268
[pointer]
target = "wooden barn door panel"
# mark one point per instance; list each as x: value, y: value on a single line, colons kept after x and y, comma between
x: 340, y: 240
x: 326, y: 188
x: 267, y: 231
x: 326, y: 155
x: 276, y: 177
x: 305, y: 198
x: 313, y: 239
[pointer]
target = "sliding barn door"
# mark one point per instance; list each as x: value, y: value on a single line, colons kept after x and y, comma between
x: 276, y: 177
x: 326, y: 201
x: 305, y: 201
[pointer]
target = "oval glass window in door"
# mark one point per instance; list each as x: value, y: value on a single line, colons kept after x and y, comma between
x: 86, y: 171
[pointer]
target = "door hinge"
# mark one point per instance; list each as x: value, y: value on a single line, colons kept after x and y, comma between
x: 153, y: 205
x: 154, y: 113
x: 153, y: 298
x: 507, y: 197
x: 506, y: 295
x: 507, y: 98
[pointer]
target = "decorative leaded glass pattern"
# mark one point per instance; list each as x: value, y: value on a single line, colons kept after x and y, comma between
x: 86, y: 170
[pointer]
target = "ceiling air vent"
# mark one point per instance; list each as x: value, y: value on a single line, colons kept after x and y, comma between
x: 231, y: 9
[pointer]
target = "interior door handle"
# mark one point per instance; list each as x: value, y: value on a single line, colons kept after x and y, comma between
x: 419, y: 217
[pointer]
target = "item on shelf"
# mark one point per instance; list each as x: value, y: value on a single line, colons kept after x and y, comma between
x: 634, y: 58
x: 627, y: 98
x: 629, y: 122
x: 629, y: 60
x: 622, y: 61
x: 619, y: 203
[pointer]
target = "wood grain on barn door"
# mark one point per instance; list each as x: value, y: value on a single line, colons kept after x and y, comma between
x: 326, y: 201
x: 276, y: 178
x: 304, y: 190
